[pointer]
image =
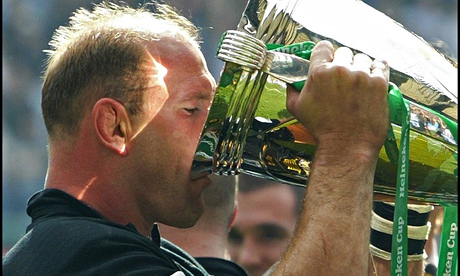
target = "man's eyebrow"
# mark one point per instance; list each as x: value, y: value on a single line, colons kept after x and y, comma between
x: 200, y: 95
x: 270, y: 226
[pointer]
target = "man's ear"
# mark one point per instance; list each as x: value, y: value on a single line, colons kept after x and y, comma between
x: 112, y: 124
x: 235, y: 211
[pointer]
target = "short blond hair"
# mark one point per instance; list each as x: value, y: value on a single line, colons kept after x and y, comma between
x: 99, y: 54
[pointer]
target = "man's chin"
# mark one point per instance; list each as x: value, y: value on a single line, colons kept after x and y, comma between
x: 192, y: 219
x: 194, y: 214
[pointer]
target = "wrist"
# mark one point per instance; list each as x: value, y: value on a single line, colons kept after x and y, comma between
x: 347, y: 149
x: 349, y: 157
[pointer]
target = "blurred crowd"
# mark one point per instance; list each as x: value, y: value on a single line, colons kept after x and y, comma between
x: 427, y: 122
x: 28, y: 26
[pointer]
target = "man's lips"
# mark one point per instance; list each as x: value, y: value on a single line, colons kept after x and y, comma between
x: 198, y: 175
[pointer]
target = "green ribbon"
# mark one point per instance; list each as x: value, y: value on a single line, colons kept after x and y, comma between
x: 401, y: 109
x: 448, y: 254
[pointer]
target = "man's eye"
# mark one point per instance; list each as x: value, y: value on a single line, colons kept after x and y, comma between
x: 191, y: 110
x: 235, y: 237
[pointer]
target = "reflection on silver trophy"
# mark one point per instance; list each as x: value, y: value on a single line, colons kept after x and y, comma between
x: 249, y: 130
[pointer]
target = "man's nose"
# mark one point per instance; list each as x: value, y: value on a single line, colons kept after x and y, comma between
x: 250, y: 254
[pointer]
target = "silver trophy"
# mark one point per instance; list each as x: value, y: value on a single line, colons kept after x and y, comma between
x: 249, y: 130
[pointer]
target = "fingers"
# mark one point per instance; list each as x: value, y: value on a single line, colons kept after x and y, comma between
x: 292, y: 97
x: 322, y: 53
x: 362, y: 62
x: 343, y: 56
x: 380, y: 68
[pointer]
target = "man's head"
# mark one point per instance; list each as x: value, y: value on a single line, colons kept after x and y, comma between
x: 264, y: 225
x: 100, y: 54
x: 126, y: 93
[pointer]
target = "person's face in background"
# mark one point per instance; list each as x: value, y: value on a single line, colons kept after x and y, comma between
x: 263, y: 227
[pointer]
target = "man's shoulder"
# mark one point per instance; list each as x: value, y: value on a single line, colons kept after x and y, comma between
x: 201, y: 265
x: 181, y: 258
x: 221, y: 267
x: 60, y: 217
x: 85, y: 228
x: 86, y: 245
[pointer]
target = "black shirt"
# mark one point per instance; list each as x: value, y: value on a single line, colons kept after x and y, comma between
x: 220, y: 267
x: 67, y: 237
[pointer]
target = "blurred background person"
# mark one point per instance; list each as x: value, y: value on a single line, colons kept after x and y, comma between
x: 264, y: 224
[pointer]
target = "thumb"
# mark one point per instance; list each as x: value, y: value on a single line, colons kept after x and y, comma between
x: 292, y: 96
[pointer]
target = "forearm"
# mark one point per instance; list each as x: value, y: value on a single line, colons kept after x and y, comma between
x: 337, y: 210
x: 344, y: 106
